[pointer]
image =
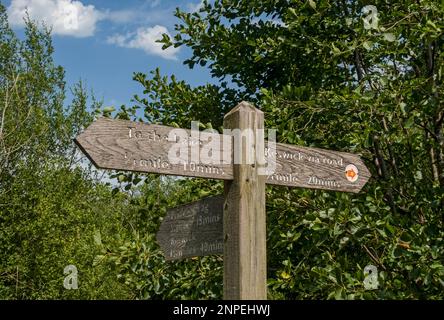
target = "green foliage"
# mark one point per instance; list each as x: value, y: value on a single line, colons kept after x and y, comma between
x: 137, y: 257
x: 326, y: 75
x: 49, y: 207
x: 34, y: 123
x: 48, y: 222
x: 173, y: 102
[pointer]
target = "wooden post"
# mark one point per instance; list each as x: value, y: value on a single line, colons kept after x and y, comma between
x: 245, y: 270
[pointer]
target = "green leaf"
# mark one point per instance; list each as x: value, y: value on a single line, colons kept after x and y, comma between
x: 97, y: 238
x: 293, y: 12
x: 367, y: 45
x: 312, y: 4
x: 109, y: 109
x: 97, y: 260
x: 436, y: 265
x: 336, y: 51
x: 390, y: 37
x: 402, y: 105
x: 418, y: 175
x: 285, y: 275
x: 338, y: 294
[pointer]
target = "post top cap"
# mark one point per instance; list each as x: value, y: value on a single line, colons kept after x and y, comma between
x: 243, y: 106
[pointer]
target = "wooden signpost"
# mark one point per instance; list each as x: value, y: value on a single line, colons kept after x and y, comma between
x: 131, y: 146
x: 245, y: 259
x: 316, y: 168
x: 134, y: 146
x: 196, y: 229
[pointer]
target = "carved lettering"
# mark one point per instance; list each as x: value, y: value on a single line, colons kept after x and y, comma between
x: 175, y: 254
x: 126, y: 145
x: 313, y: 180
x: 206, y: 220
x: 333, y: 162
x: 211, y: 246
x: 193, y: 167
x: 283, y: 177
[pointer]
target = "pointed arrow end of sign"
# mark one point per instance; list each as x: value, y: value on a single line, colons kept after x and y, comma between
x: 83, y: 140
x: 364, y: 174
x: 80, y: 144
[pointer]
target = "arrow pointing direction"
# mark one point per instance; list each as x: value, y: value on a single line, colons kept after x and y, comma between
x: 317, y: 168
x: 134, y: 146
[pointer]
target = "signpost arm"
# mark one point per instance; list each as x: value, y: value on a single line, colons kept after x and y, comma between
x: 245, y: 272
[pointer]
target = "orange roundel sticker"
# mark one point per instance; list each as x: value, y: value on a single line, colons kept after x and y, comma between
x: 351, y: 173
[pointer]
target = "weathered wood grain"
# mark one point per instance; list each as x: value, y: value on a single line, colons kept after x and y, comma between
x: 245, y: 260
x: 315, y: 168
x: 194, y: 229
x: 234, y: 224
x: 133, y: 146
x: 109, y: 145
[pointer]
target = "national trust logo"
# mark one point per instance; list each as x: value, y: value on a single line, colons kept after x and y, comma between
x: 351, y: 173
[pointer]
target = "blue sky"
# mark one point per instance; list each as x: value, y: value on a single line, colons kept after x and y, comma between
x: 103, y: 42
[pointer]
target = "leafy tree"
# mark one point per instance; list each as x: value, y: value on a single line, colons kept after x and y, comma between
x: 137, y: 258
x: 338, y: 75
x: 51, y: 209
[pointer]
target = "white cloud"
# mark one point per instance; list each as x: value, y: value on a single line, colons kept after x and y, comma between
x: 194, y: 7
x: 120, y: 16
x: 66, y: 17
x: 145, y: 38
x: 119, y: 40
x: 139, y: 16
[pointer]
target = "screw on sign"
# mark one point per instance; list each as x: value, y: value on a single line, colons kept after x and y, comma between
x: 126, y: 145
